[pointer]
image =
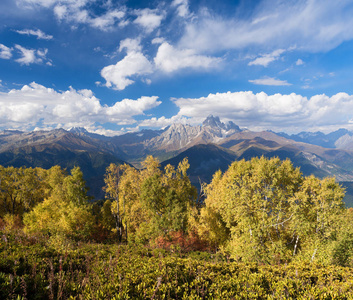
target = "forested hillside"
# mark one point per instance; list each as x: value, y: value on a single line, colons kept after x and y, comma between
x: 260, y: 222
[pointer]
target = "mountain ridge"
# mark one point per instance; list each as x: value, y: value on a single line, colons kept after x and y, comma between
x: 217, y: 145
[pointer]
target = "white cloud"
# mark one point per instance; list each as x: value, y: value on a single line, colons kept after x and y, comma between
x: 299, y: 62
x: 34, y: 103
x: 158, y: 40
x: 61, y: 12
x: 182, y: 7
x: 270, y: 81
x: 278, y: 112
x: 5, y: 52
x: 162, y: 122
x: 38, y: 33
x: 170, y: 59
x: 106, y: 21
x: 31, y: 56
x: 78, y: 12
x: 149, y: 19
x: 129, y: 107
x: 130, y: 45
x: 265, y: 59
x: 119, y: 76
x: 45, y: 3
x: 316, y: 25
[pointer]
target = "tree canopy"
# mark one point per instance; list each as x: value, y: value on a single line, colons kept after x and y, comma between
x: 150, y: 202
x: 264, y: 209
x: 260, y: 210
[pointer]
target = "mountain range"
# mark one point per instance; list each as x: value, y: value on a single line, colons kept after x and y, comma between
x: 211, y: 146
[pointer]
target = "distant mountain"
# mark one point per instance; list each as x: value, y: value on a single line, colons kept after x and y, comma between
x: 311, y: 158
x: 318, y: 138
x: 82, y: 132
x: 179, y: 137
x: 211, y: 146
x: 345, y: 142
x: 58, y: 147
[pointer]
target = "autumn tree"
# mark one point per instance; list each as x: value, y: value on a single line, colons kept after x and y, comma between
x: 342, y: 248
x: 316, y: 208
x: 111, y: 188
x: 65, y: 212
x: 256, y: 209
x: 21, y: 189
x: 168, y: 196
x: 152, y: 202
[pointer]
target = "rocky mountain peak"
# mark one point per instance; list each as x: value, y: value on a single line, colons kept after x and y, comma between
x: 212, y: 121
x: 215, y: 123
x: 78, y: 130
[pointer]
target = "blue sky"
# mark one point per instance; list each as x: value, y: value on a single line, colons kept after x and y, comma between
x: 119, y: 66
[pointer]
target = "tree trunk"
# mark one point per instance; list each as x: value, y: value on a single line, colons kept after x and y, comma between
x: 296, y: 244
x: 118, y: 221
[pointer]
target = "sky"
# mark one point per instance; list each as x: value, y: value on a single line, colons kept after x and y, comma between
x: 121, y: 66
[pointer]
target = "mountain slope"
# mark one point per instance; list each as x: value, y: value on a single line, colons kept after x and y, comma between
x: 204, y: 160
x: 209, y: 147
x: 58, y: 147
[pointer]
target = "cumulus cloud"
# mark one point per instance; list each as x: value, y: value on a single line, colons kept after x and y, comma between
x: 38, y: 33
x: 34, y: 103
x: 135, y: 64
x: 289, y: 113
x: 270, y: 81
x: 119, y: 76
x: 31, y: 56
x: 149, y: 19
x: 130, y: 45
x: 129, y: 107
x: 5, y: 52
x: 265, y: 59
x: 170, y: 59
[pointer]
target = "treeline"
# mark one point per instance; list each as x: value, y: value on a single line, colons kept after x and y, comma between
x: 261, y: 210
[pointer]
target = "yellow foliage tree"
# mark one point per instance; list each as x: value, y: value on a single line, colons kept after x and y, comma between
x: 21, y: 189
x: 65, y: 212
x: 262, y: 204
x: 151, y: 202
